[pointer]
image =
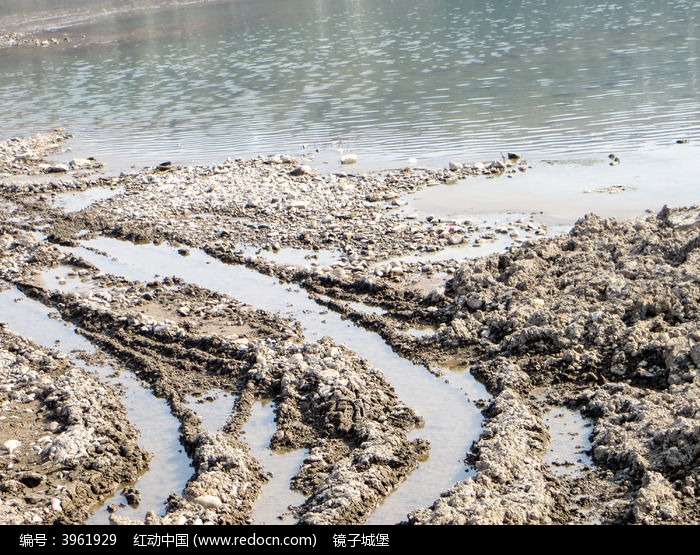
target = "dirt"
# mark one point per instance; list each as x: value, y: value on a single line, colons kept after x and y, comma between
x: 603, y: 319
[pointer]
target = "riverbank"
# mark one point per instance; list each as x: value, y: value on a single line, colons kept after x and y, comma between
x: 603, y: 320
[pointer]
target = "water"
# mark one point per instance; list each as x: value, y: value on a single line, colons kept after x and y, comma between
x: 452, y: 421
x: 214, y: 408
x: 570, y: 444
x: 74, y: 201
x: 386, y: 79
x: 560, y: 192
x: 170, y: 468
x: 291, y: 256
x: 276, y: 496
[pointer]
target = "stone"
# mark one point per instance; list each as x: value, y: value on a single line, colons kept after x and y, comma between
x: 301, y: 170
x: 348, y: 159
x: 84, y: 164
x: 208, y: 501
x: 455, y: 166
x: 11, y: 445
x: 57, y: 168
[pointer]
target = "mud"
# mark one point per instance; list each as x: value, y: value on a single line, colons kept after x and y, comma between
x: 603, y: 319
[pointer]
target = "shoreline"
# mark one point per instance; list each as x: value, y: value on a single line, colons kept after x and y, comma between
x: 603, y: 320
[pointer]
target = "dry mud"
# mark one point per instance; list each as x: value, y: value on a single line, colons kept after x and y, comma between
x: 603, y: 319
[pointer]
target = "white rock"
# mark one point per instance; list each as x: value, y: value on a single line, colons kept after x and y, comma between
x: 208, y: 501
x: 83, y: 163
x: 11, y: 445
x: 348, y: 159
x: 455, y: 166
x: 302, y: 170
x: 56, y: 505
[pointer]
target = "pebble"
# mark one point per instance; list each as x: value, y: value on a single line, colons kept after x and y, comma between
x: 11, y: 445
x: 57, y: 168
x: 208, y: 501
x: 348, y: 159
x: 301, y: 170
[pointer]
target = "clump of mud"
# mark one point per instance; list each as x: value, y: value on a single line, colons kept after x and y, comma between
x: 605, y: 318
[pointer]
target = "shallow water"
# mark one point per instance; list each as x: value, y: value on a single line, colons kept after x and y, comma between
x: 452, y: 421
x: 276, y: 496
x: 170, y: 468
x: 558, y: 193
x: 213, y: 407
x: 290, y: 256
x: 389, y: 80
x: 568, y: 450
x: 76, y: 201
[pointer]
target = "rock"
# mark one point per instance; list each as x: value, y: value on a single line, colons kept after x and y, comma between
x: 348, y: 159
x: 84, y: 164
x: 208, y: 501
x: 57, y: 168
x: 132, y: 496
x: 151, y: 519
x: 455, y: 239
x: 56, y: 505
x: 11, y: 445
x: 301, y: 170
x: 455, y: 166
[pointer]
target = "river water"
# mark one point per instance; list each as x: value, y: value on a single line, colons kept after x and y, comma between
x: 391, y: 80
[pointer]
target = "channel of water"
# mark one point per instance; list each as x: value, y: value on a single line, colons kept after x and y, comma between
x: 452, y: 423
x: 277, y: 496
x: 569, y: 448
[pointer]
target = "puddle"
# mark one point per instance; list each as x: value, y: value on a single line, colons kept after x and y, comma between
x: 276, y: 496
x: 289, y: 256
x: 459, y: 376
x: 560, y: 192
x: 570, y: 432
x: 421, y: 331
x: 74, y: 201
x: 452, y: 422
x: 67, y: 279
x: 170, y: 467
x: 214, y: 408
x: 367, y: 309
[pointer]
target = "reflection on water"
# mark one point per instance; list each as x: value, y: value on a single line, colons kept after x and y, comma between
x: 387, y: 79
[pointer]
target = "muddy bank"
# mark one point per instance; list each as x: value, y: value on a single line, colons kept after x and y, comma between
x: 603, y: 319
x: 66, y: 441
x: 606, y: 318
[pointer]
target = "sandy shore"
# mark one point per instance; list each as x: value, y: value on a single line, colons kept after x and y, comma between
x: 603, y: 320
